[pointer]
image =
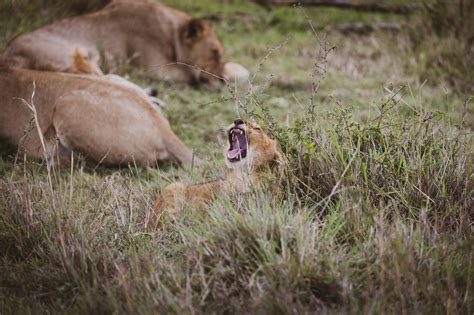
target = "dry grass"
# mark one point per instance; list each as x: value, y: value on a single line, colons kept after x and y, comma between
x: 376, y: 215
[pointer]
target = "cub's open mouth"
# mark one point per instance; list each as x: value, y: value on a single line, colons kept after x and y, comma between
x: 238, y: 144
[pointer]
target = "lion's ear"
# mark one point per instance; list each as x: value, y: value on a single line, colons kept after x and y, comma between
x: 279, y: 163
x: 195, y: 29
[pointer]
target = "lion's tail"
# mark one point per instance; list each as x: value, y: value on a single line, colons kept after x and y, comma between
x: 180, y: 151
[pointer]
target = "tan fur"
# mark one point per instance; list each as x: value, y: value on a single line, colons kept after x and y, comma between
x: 263, y: 157
x: 80, y: 65
x: 106, y: 119
x: 143, y: 32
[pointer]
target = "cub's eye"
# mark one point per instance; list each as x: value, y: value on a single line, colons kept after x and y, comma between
x: 258, y: 129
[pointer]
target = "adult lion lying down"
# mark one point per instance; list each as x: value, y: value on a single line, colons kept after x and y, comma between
x: 106, y: 119
x: 143, y: 32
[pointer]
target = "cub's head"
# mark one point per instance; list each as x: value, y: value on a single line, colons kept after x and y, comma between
x: 201, y: 48
x: 248, y: 146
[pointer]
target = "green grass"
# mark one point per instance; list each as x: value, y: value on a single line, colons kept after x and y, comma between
x: 377, y: 210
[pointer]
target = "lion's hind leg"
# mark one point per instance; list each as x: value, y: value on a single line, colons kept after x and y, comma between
x: 170, y: 201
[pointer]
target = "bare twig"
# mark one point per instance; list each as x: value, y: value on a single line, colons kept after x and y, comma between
x: 31, y: 106
x: 334, y: 189
x: 320, y: 66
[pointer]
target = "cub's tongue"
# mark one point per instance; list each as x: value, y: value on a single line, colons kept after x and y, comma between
x: 232, y: 154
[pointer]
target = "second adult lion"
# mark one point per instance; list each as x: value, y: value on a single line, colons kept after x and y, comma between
x: 167, y: 43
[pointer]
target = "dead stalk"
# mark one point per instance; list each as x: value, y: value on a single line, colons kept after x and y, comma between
x: 49, y: 162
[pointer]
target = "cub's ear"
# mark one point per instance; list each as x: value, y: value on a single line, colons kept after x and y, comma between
x: 195, y: 29
x: 279, y: 163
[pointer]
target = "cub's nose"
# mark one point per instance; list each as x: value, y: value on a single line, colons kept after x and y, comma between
x: 238, y: 122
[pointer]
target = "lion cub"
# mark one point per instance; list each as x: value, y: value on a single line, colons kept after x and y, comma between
x: 249, y: 154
